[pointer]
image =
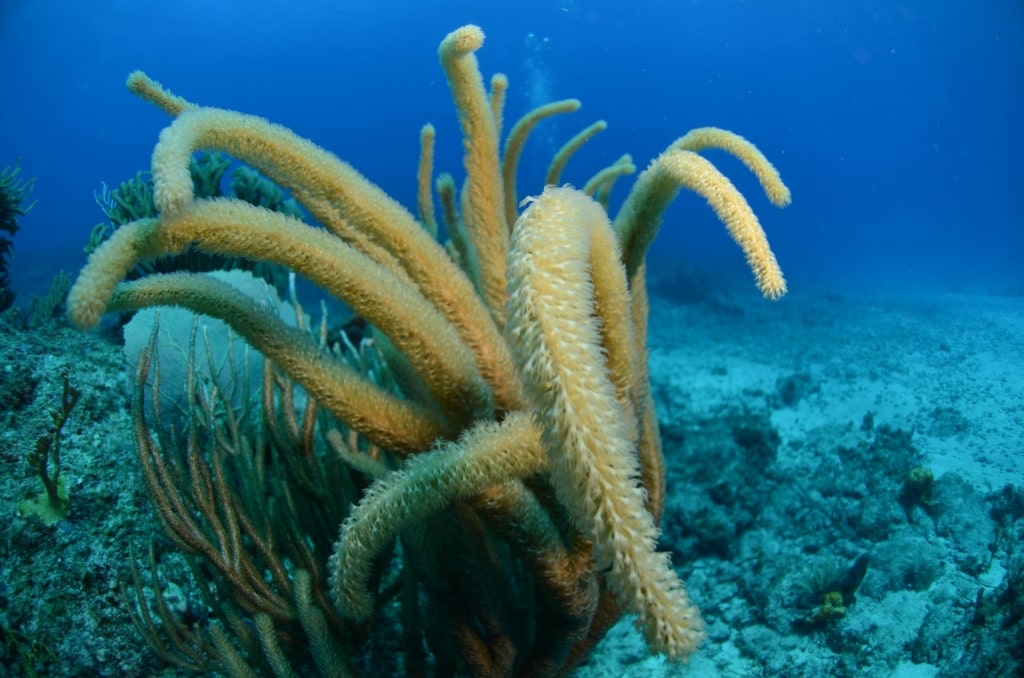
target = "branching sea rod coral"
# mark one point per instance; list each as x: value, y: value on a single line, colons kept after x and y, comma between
x: 517, y: 475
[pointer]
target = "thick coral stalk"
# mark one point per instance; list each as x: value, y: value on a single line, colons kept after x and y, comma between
x: 588, y: 435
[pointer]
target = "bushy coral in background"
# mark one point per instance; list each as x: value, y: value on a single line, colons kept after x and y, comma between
x: 13, y: 193
x: 133, y: 199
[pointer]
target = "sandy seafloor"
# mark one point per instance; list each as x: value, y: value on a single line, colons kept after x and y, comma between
x: 897, y: 356
x: 946, y: 368
x: 841, y: 394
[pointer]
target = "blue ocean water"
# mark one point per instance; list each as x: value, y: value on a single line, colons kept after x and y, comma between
x: 803, y: 440
x: 895, y: 124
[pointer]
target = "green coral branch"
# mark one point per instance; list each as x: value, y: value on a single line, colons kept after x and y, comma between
x: 45, y: 460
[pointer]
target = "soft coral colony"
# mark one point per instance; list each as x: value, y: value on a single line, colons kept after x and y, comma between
x: 498, y: 494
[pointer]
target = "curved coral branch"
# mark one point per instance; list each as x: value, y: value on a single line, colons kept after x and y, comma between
x: 640, y: 217
x: 488, y: 454
x: 588, y: 435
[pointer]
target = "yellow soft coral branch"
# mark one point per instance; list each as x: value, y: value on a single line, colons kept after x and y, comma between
x: 237, y: 229
x: 640, y: 217
x: 569, y: 149
x: 589, y: 437
x: 345, y: 202
x: 485, y: 201
x: 697, y: 140
x: 424, y: 178
x: 487, y: 455
x: 385, y: 419
x: 517, y: 141
x: 152, y: 91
